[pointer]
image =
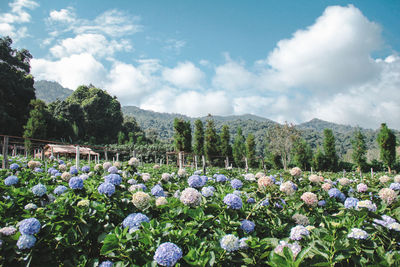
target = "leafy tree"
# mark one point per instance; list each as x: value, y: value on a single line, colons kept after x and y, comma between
x: 331, y: 158
x: 239, y: 148
x: 39, y: 118
x: 225, y: 146
x: 359, y: 150
x: 16, y: 88
x: 387, y: 143
x: 210, y: 140
x: 302, y: 154
x: 132, y: 130
x: 319, y: 160
x: 198, y: 146
x: 102, y: 114
x: 280, y: 140
x: 251, y: 150
x: 121, y: 138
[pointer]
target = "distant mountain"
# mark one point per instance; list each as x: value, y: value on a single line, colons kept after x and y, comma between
x: 51, y: 91
x: 162, y: 123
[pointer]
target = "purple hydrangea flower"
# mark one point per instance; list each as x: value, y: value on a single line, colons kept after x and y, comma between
x: 233, y: 201
x: 236, y: 184
x: 113, y: 178
x: 76, y: 183
x: 247, y: 226
x: 29, y: 226
x: 106, y: 189
x: 157, y: 191
x: 167, y: 254
x: 11, y: 180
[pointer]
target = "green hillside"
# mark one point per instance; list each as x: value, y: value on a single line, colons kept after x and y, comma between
x: 51, y: 91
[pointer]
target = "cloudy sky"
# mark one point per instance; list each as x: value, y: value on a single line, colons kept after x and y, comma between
x: 283, y: 60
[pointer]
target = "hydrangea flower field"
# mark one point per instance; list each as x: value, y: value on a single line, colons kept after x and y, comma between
x: 122, y: 214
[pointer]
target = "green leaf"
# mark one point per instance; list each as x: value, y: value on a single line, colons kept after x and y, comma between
x: 110, y: 244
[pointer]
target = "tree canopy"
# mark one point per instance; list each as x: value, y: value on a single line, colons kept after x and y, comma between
x: 16, y: 88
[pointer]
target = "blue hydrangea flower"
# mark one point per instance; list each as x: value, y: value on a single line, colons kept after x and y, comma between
x: 26, y: 241
x: 230, y: 243
x: 58, y: 174
x: 395, y: 186
x: 14, y: 166
x: 134, y: 220
x: 73, y: 170
x: 247, y: 226
x: 86, y: 169
x: 11, y: 180
x: 265, y: 202
x: 76, y: 183
x: 29, y: 226
x: 61, y: 162
x: 196, y: 181
x: 221, y: 178
x: 106, y: 264
x: 321, y: 203
x: 106, y: 188
x: 50, y: 170
x: 297, y: 232
x: 39, y: 190
x: 37, y: 169
x: 350, y: 203
x: 251, y: 200
x: 112, y: 169
x: 236, y: 184
x: 113, y: 178
x: 334, y: 192
x: 204, y: 178
x: 60, y: 189
x: 208, y: 191
x: 157, y: 191
x: 167, y: 254
x: 233, y: 201
x: 30, y: 206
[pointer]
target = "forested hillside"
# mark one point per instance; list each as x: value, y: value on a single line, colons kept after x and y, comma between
x: 51, y: 91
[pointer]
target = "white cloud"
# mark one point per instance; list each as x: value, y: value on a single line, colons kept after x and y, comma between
x: 185, y: 75
x: 190, y: 103
x: 113, y: 23
x: 131, y: 84
x: 233, y: 76
x: 17, y: 15
x: 64, y: 15
x: 94, y: 44
x: 332, y: 54
x: 367, y: 105
x: 70, y: 71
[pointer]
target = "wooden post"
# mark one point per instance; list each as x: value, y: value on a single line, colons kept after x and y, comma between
x: 247, y: 166
x: 42, y: 154
x: 89, y: 158
x: 52, y: 152
x: 15, y: 151
x: 167, y: 159
x: 77, y: 158
x: 180, y: 160
x: 311, y: 170
x: 372, y: 173
x: 113, y: 160
x: 204, y: 164
x: 195, y: 161
x: 117, y: 156
x: 5, y: 152
x: 105, y: 155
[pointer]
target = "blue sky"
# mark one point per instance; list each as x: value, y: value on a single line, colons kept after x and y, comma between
x: 284, y: 60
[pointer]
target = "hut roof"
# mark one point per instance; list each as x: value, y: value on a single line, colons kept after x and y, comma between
x: 67, y: 149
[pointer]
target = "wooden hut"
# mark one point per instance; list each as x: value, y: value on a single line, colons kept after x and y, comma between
x: 67, y: 150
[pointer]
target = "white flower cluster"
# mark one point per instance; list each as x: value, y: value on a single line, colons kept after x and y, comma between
x: 357, y: 233
x: 190, y: 197
x: 141, y: 200
x: 296, y: 171
x: 287, y: 188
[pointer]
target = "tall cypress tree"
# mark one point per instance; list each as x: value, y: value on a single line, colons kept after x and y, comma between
x: 179, y: 139
x: 210, y: 140
x: 359, y: 150
x: 225, y: 147
x: 387, y: 143
x: 251, y: 150
x: 331, y: 157
x: 198, y: 146
x: 319, y: 160
x: 187, y: 134
x: 239, y: 148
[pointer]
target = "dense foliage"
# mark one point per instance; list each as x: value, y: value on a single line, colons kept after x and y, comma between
x: 53, y: 214
x: 16, y: 88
